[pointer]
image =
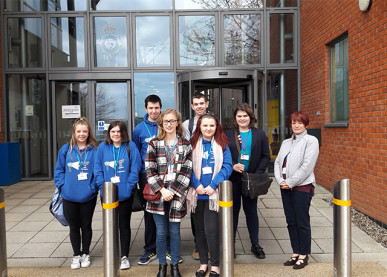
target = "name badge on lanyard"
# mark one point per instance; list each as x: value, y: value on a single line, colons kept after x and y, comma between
x: 207, y: 170
x: 115, y: 179
x: 245, y: 157
x: 82, y: 176
x: 284, y: 170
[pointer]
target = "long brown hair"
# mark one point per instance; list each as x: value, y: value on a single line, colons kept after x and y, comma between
x: 179, y: 127
x: 219, y: 136
x: 123, y: 130
x: 244, y: 107
x: 90, y: 139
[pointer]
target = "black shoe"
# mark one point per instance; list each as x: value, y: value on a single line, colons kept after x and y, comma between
x: 291, y: 261
x: 258, y: 251
x: 201, y: 273
x: 162, y: 270
x: 175, y: 270
x: 301, y: 263
x: 214, y: 274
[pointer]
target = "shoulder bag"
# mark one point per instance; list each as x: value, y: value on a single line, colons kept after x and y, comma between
x: 138, y: 201
x: 56, y: 208
x: 253, y: 184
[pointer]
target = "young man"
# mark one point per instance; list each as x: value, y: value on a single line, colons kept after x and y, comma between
x: 199, y: 104
x: 142, y: 135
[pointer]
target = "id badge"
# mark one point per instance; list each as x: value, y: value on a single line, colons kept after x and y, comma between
x: 207, y: 170
x: 115, y: 179
x: 82, y: 176
x: 284, y: 170
x: 168, y: 177
x: 245, y: 157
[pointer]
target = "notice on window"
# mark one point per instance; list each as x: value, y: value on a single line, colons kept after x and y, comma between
x: 71, y: 111
x: 29, y: 110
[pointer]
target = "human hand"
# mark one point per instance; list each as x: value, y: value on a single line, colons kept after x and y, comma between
x: 200, y: 190
x: 283, y: 185
x: 239, y: 167
x: 167, y: 194
x: 209, y: 190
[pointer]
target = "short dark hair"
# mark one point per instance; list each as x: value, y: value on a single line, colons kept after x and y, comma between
x: 244, y: 107
x: 198, y: 95
x: 301, y: 117
x: 153, y: 98
x: 123, y: 130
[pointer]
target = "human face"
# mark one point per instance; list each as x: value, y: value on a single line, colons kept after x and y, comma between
x: 208, y: 128
x: 199, y: 105
x: 242, y: 119
x: 115, y: 135
x: 170, y: 123
x: 81, y: 133
x: 298, y: 127
x: 153, y: 110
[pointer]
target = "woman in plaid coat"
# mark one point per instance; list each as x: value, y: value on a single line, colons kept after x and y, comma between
x: 168, y: 167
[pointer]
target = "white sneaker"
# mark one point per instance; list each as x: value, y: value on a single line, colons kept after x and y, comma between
x: 76, y: 262
x: 85, y: 260
x: 125, y: 263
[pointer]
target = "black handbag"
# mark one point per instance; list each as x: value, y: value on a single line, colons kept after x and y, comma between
x: 255, y: 184
x: 138, y: 204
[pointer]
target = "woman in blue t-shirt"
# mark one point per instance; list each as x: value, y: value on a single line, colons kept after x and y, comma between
x: 74, y: 177
x: 212, y: 164
x: 112, y: 164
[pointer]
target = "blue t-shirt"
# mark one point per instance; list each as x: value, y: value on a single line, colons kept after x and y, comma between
x: 246, y: 147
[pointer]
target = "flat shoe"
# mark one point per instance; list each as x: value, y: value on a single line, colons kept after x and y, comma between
x: 201, y: 273
x: 291, y: 261
x: 214, y: 274
x: 301, y: 263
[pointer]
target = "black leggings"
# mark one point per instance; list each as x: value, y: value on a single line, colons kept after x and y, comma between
x: 79, y: 216
x: 124, y: 215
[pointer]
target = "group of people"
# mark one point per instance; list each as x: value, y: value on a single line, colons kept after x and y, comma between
x: 184, y: 163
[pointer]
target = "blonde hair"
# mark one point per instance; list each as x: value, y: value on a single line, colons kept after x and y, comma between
x: 179, y: 127
x: 90, y: 139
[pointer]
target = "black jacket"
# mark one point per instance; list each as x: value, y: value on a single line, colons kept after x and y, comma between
x: 260, y: 153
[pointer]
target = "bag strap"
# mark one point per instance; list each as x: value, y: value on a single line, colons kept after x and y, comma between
x: 128, y: 150
x: 190, y: 125
x: 238, y: 146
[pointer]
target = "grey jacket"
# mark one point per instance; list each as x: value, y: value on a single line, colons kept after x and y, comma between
x: 303, y: 153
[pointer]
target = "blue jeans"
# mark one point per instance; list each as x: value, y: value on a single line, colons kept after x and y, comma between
x: 162, y: 227
x: 250, y: 209
x: 296, y: 207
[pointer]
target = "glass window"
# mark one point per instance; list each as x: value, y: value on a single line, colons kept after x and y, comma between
x: 111, y: 103
x: 339, y: 81
x: 281, y: 3
x: 27, y: 122
x: 160, y: 83
x: 68, y: 42
x: 218, y: 4
x: 242, y: 39
x: 131, y: 5
x: 197, y: 40
x: 281, y: 38
x: 45, y: 5
x: 153, y: 42
x: 111, y: 43
x: 25, y: 42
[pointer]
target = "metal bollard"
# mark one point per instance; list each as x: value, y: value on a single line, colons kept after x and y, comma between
x: 226, y: 237
x: 111, y: 248
x: 3, y: 241
x: 342, y: 229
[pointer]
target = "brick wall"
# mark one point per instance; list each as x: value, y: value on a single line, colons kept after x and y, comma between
x: 358, y: 152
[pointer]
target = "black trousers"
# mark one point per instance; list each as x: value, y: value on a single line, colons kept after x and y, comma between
x: 124, y: 216
x: 150, y: 226
x: 207, y: 233
x: 79, y: 216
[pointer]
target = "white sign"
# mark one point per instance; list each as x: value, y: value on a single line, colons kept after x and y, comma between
x: 71, y: 111
x: 29, y: 110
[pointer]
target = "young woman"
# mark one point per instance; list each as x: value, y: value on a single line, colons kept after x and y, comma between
x: 250, y: 153
x: 212, y: 164
x: 74, y: 177
x: 293, y: 170
x: 112, y: 164
x: 168, y: 168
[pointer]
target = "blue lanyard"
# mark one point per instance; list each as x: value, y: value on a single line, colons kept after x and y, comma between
x: 114, y: 157
x: 84, y: 161
x: 244, y: 143
x: 173, y: 146
x: 150, y: 134
x: 209, y: 152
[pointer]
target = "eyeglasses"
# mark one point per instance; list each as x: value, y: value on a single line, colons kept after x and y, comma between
x: 169, y: 122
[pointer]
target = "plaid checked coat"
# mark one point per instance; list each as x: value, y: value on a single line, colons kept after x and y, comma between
x: 156, y: 162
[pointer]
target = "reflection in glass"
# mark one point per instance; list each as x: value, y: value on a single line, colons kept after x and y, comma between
x: 185, y: 100
x: 212, y: 93
x: 197, y: 40
x: 131, y: 5
x: 242, y: 39
x: 110, y: 43
x: 27, y: 122
x: 231, y: 98
x: 218, y: 4
x: 281, y: 3
x: 153, y: 43
x: 67, y: 42
x: 68, y: 94
x: 111, y: 103
x: 45, y: 5
x: 281, y: 38
x: 25, y: 42
x: 146, y: 83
